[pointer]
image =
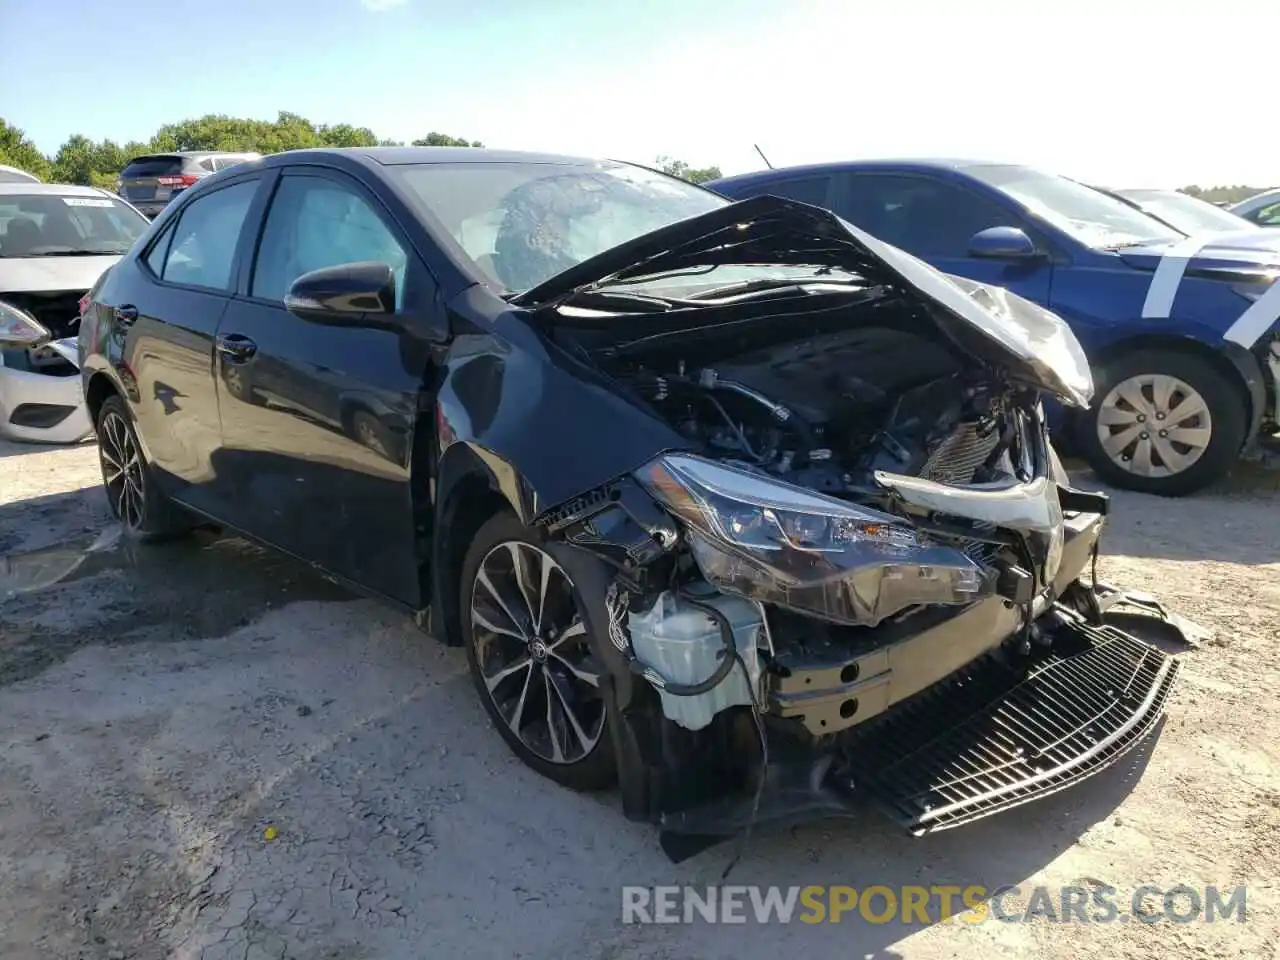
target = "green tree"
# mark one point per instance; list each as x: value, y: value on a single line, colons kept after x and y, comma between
x: 434, y: 139
x: 678, y: 168
x: 16, y: 150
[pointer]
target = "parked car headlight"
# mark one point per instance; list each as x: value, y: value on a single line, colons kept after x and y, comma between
x: 19, y: 328
x: 767, y: 540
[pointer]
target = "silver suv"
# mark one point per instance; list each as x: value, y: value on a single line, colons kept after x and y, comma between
x: 151, y: 181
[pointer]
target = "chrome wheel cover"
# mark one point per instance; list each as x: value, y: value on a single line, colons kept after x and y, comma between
x: 530, y: 643
x: 122, y: 473
x: 1154, y: 425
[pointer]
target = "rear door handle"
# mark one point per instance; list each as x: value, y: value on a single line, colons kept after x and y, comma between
x: 125, y: 314
x: 236, y: 347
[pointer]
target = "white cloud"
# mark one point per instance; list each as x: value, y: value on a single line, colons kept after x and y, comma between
x: 380, y: 6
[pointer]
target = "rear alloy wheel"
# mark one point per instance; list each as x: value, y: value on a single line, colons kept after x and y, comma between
x: 531, y: 659
x: 131, y: 490
x: 1166, y: 423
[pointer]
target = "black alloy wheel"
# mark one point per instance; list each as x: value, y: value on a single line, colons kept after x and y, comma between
x: 531, y: 658
x: 132, y: 494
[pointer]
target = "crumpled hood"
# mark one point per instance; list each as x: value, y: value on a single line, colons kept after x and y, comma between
x: 51, y: 274
x: 990, y: 323
x: 1248, y: 251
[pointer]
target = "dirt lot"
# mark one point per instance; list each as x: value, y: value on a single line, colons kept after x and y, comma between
x: 209, y: 752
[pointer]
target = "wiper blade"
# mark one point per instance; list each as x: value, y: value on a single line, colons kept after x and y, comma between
x: 77, y: 253
x: 775, y: 283
x: 1125, y: 244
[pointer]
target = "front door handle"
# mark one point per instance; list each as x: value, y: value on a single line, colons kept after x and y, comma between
x: 125, y: 314
x: 236, y: 347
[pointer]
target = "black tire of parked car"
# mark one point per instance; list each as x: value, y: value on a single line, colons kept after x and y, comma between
x: 146, y: 513
x: 597, y: 769
x: 1227, y: 407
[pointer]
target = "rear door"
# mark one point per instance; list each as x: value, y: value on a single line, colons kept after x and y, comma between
x: 934, y: 219
x: 317, y: 419
x: 167, y: 310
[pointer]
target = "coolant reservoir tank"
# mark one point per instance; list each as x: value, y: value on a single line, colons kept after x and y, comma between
x: 682, y: 644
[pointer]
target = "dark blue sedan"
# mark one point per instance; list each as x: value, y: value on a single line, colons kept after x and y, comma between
x: 1182, y: 331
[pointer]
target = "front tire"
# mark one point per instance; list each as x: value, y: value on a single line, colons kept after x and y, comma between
x: 132, y: 493
x: 1164, y: 422
x: 531, y: 659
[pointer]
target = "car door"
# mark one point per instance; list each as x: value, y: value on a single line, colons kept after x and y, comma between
x: 168, y: 313
x: 813, y: 189
x: 935, y: 218
x: 317, y: 418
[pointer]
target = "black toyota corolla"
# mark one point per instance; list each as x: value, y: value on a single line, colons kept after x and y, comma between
x: 729, y: 503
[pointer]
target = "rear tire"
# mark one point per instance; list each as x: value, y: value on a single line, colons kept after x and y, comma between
x: 532, y: 661
x: 1163, y: 422
x: 133, y: 495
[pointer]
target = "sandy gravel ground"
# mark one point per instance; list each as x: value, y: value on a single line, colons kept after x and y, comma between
x: 164, y: 711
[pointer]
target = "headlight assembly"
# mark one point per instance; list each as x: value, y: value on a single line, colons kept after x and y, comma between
x: 766, y: 540
x: 19, y: 329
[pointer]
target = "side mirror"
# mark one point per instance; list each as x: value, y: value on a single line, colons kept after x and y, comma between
x: 348, y: 290
x: 1002, y: 243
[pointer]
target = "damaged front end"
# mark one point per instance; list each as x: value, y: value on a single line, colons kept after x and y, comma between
x: 41, y: 399
x: 869, y: 576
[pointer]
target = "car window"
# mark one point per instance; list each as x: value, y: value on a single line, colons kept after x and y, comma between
x: 156, y: 166
x: 315, y: 222
x: 209, y: 164
x: 1268, y: 216
x: 522, y: 223
x: 204, y: 242
x: 155, y: 258
x: 46, y: 225
x: 925, y: 217
x: 811, y: 190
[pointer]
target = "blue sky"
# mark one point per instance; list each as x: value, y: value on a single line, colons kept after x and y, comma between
x: 1125, y: 92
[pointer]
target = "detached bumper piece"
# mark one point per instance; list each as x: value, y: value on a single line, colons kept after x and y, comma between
x: 986, y: 741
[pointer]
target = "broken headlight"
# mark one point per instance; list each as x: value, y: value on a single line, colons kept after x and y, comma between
x: 19, y: 329
x: 770, y: 541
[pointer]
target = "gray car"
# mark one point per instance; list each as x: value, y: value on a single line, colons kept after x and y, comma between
x: 149, y: 182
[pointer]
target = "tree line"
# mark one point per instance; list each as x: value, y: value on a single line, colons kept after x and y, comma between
x: 1223, y: 194
x: 98, y: 163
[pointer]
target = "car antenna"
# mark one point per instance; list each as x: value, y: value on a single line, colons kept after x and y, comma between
x: 762, y: 156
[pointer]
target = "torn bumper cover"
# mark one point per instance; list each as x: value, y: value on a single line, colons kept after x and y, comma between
x: 952, y: 712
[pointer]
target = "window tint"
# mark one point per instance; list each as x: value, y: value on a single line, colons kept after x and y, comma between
x: 922, y: 216
x: 208, y: 163
x: 809, y: 190
x: 204, y: 242
x: 313, y: 223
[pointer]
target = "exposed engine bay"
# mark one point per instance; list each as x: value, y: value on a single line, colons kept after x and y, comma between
x: 828, y: 412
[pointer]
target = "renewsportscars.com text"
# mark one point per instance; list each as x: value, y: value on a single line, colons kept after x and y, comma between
x: 1096, y: 903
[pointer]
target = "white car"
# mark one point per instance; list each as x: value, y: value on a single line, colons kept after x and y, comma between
x: 56, y: 240
x: 14, y: 175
